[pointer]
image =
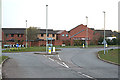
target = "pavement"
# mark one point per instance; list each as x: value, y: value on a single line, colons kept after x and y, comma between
x: 70, y: 63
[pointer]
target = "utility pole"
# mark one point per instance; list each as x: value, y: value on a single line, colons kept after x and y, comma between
x: 46, y: 27
x: 87, y: 32
x: 26, y: 33
x: 0, y: 29
x: 104, y: 32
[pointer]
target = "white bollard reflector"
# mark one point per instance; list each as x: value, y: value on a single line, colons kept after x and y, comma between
x: 53, y: 49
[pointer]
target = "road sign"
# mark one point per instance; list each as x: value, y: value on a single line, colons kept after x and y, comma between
x: 104, y: 42
x: 17, y: 45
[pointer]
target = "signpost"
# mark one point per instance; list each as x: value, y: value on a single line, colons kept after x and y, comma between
x: 104, y: 31
x: 46, y: 27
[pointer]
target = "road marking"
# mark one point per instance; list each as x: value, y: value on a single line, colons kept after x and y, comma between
x: 44, y: 55
x: 60, y: 64
x: 59, y: 57
x: 86, y: 75
x: 63, y: 62
x: 51, y: 59
x: 65, y: 65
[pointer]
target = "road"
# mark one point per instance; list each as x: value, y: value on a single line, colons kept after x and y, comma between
x: 70, y: 63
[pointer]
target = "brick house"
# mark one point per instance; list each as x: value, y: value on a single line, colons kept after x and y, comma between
x: 42, y: 34
x: 56, y: 37
x: 63, y: 37
x: 108, y: 33
x: 13, y: 36
x: 79, y: 33
x: 41, y: 40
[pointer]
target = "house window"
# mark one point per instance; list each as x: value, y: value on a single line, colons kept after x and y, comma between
x: 7, y: 35
x: 12, y: 35
x: 62, y: 34
x: 53, y: 35
x: 42, y: 35
x: 66, y: 35
x: 18, y: 35
x: 21, y: 35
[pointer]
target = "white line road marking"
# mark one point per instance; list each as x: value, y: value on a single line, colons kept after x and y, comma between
x: 51, y: 59
x: 86, y: 75
x: 60, y: 64
x: 63, y: 62
x: 44, y: 55
x: 65, y: 65
x: 59, y: 57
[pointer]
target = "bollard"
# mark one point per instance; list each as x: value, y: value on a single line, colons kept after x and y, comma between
x: 49, y: 50
x: 83, y: 46
x: 53, y: 49
x: 106, y: 46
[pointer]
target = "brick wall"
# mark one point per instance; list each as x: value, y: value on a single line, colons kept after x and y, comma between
x: 58, y: 42
x: 60, y: 37
x: 81, y: 34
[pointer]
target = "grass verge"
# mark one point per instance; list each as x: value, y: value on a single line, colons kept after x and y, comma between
x: 29, y: 49
x: 2, y: 58
x: 111, y: 56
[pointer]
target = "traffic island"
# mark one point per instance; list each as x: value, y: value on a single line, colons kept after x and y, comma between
x: 42, y: 53
x: 110, y: 57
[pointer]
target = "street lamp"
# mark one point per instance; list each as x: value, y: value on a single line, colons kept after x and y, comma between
x: 87, y: 32
x: 104, y: 31
x: 26, y: 33
x: 46, y: 26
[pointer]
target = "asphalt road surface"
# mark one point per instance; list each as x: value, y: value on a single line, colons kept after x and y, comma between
x: 70, y: 63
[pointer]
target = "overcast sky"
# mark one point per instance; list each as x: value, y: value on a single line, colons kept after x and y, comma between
x: 62, y: 14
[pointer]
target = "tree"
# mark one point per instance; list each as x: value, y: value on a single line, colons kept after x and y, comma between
x: 32, y: 33
x: 100, y: 40
x: 96, y: 39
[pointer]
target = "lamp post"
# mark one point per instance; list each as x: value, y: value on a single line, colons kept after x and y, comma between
x: 46, y: 26
x: 26, y: 33
x: 87, y: 32
x: 0, y: 29
x: 104, y: 32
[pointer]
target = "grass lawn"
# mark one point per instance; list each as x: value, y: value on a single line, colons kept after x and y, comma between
x: 112, y: 55
x: 29, y: 49
x: 2, y: 58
